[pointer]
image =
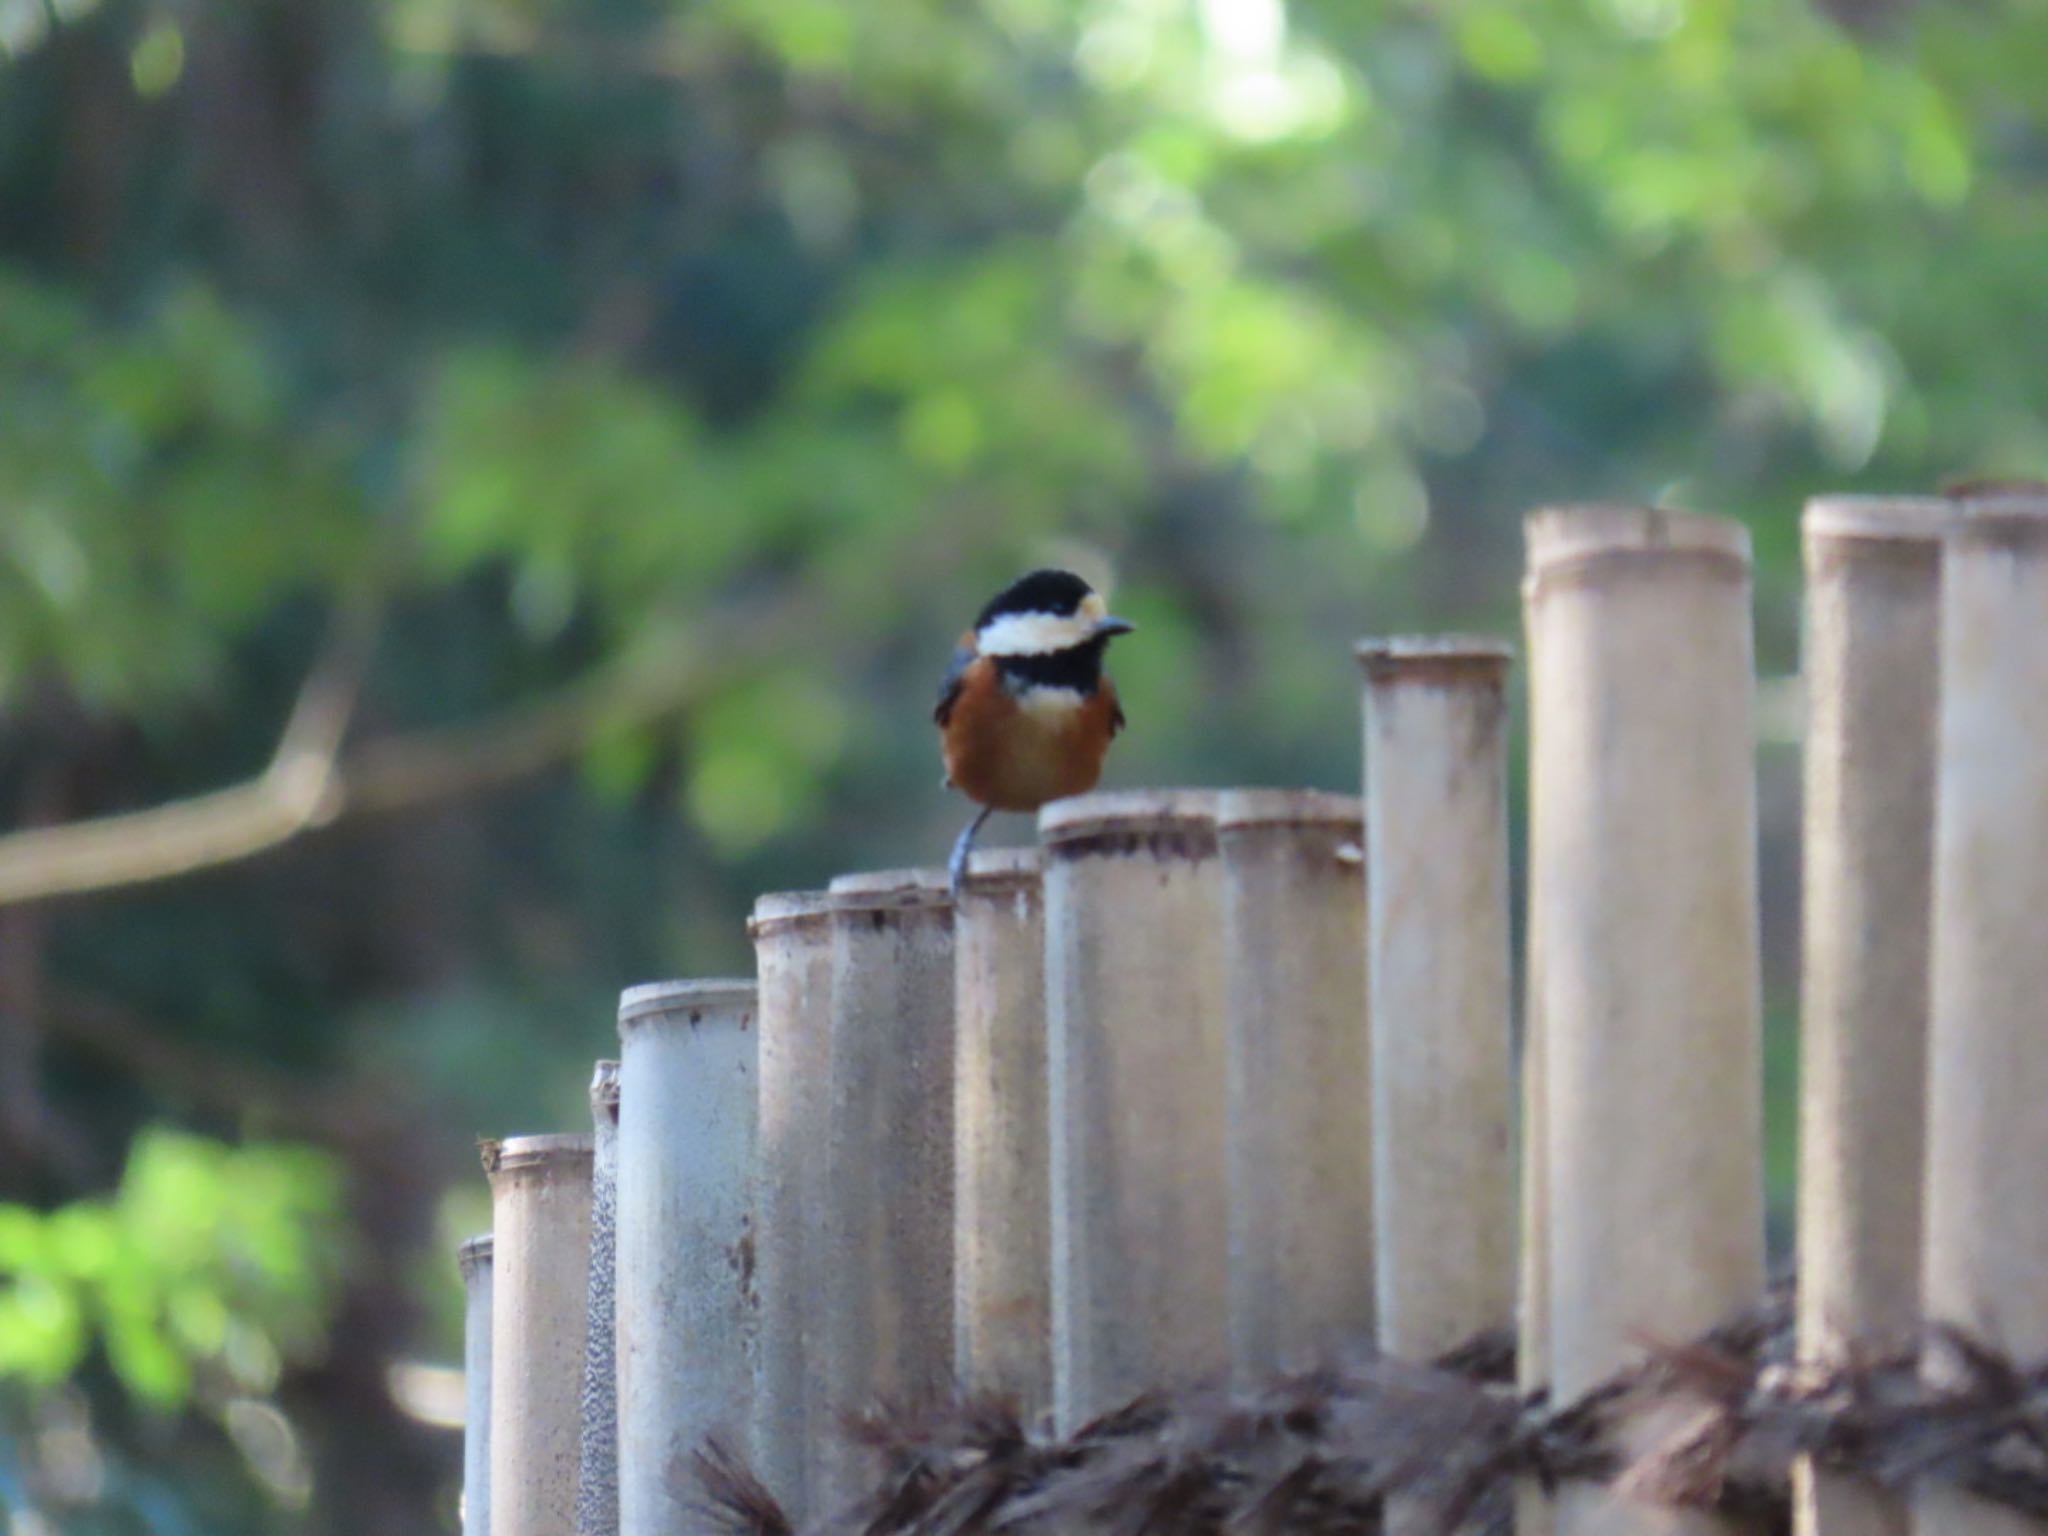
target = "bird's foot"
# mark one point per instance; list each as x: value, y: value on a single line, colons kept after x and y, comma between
x: 956, y: 866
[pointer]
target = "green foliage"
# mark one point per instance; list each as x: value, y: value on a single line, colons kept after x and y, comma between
x: 159, y: 499
x: 1384, y: 273
x: 208, y: 1261
x: 1351, y: 260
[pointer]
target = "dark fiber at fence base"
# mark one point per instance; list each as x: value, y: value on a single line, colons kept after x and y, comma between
x: 1317, y: 1453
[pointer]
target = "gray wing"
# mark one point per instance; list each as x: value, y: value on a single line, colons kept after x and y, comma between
x: 949, y: 686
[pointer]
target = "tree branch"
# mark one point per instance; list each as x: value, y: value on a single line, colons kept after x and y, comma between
x: 310, y: 783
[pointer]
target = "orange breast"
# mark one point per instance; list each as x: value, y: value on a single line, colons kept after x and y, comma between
x: 1018, y: 754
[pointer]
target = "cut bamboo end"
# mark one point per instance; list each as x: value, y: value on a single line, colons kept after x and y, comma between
x: 788, y: 909
x: 2014, y: 521
x: 891, y: 890
x: 1164, y: 823
x: 704, y: 999
x: 1571, y: 529
x: 1909, y: 519
x: 554, y: 1150
x: 1241, y: 810
x: 1448, y: 660
x: 1600, y: 542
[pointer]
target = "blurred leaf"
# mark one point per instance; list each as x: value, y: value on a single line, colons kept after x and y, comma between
x: 201, y: 1240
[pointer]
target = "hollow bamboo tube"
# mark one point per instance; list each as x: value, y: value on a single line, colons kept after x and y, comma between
x: 687, y: 1310
x: 1985, y: 1244
x: 1872, y: 675
x: 1299, y: 1095
x: 885, y: 1278
x: 540, y: 1219
x: 597, y: 1483
x: 1646, y: 883
x: 1443, y: 1175
x: 1002, y: 1214
x: 1533, y: 1513
x: 473, y: 1258
x: 1137, y: 1065
x: 1436, y: 809
x: 792, y: 934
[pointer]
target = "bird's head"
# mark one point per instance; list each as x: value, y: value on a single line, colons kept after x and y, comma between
x: 1043, y: 614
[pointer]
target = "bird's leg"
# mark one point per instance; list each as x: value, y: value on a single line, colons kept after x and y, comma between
x: 956, y: 867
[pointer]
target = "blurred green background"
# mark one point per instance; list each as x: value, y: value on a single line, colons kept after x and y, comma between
x: 507, y: 474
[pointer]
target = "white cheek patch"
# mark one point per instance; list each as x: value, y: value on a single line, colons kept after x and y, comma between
x: 1033, y: 634
x: 1050, y: 704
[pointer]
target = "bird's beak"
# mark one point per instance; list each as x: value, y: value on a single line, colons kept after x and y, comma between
x: 1114, y: 626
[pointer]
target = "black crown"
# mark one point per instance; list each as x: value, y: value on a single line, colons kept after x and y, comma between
x: 1059, y: 593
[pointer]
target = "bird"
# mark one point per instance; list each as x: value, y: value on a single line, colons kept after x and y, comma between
x: 1025, y: 712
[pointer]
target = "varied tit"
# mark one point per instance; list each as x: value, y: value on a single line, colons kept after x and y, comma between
x: 1025, y: 713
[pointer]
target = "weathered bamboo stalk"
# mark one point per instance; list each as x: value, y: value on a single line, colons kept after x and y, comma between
x: 1534, y: 1515
x: 1436, y: 807
x: 687, y: 1311
x: 1872, y: 675
x: 885, y: 1277
x: 540, y: 1219
x: 1646, y: 882
x: 1137, y: 1070
x: 1443, y: 1172
x: 792, y: 934
x: 473, y: 1258
x: 1002, y: 1217
x: 1985, y: 1244
x: 1299, y: 1090
x: 597, y: 1483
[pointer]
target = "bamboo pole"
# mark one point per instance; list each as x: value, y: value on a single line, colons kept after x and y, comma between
x: 1534, y: 1515
x: 1646, y: 884
x: 1443, y: 1175
x: 1533, y: 1512
x: 1299, y: 1078
x: 597, y: 1483
x: 1002, y: 1215
x: 792, y: 935
x: 1872, y: 676
x: 473, y: 1258
x: 885, y: 1279
x: 540, y: 1217
x: 1436, y: 808
x: 1137, y: 1066
x: 686, y: 1305
x: 1985, y: 1245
